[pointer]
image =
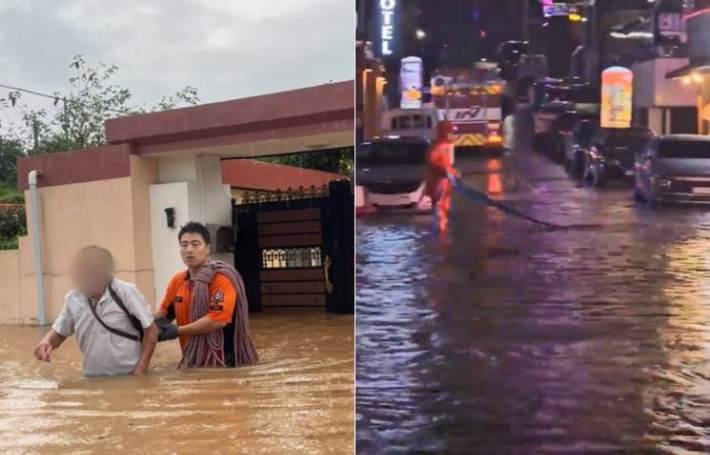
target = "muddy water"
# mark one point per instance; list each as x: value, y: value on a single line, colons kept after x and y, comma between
x: 298, y: 399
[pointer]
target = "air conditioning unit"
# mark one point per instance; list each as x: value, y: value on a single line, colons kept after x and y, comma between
x: 223, y: 238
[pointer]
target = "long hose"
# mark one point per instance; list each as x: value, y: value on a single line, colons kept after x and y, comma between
x: 479, y: 196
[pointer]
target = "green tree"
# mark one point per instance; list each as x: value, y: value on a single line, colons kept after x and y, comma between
x: 75, y: 121
x: 13, y: 223
x: 78, y: 116
x: 10, y: 151
x: 339, y: 161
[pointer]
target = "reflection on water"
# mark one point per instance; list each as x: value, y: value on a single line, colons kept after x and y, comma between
x: 298, y: 399
x: 506, y: 339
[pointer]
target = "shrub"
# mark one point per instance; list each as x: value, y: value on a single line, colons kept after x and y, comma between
x: 13, y: 224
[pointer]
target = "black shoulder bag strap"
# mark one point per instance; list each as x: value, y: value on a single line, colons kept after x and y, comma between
x: 134, y: 320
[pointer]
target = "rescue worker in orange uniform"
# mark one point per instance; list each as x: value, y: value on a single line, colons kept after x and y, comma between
x: 195, y: 250
x: 440, y: 171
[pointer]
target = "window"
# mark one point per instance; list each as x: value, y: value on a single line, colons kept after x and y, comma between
x: 684, y: 120
x: 419, y: 122
x: 392, y: 154
x: 289, y: 258
x: 677, y: 148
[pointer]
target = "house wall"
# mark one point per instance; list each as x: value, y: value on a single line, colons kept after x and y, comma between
x: 192, y: 185
x: 144, y: 173
x: 652, y: 89
x: 166, y: 254
x: 112, y: 213
x: 10, y: 308
x: 114, y: 196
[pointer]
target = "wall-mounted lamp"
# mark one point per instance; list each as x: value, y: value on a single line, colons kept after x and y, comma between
x: 170, y: 214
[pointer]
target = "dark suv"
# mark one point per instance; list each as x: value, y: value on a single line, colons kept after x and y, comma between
x: 611, y: 154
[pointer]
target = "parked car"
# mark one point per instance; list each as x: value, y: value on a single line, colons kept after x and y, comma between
x: 612, y: 152
x: 562, y: 128
x: 576, y: 144
x: 674, y: 168
x: 554, y: 98
x: 390, y: 175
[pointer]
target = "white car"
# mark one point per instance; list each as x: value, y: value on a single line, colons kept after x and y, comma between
x: 390, y: 175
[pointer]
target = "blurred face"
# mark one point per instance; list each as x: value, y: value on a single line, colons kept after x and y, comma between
x: 91, y: 272
x: 194, y: 250
x: 451, y: 136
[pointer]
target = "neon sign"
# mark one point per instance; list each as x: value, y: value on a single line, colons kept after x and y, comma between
x: 387, y: 11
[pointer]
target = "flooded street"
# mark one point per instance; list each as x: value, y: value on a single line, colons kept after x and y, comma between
x: 298, y: 399
x: 502, y: 338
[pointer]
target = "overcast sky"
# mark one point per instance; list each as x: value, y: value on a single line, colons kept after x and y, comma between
x: 225, y: 48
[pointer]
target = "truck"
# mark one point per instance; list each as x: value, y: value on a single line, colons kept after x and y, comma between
x: 472, y: 99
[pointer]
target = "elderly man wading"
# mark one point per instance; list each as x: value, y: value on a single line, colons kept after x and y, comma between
x: 112, y: 321
x: 209, y: 302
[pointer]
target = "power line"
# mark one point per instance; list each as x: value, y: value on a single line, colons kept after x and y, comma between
x: 52, y: 97
x: 18, y: 89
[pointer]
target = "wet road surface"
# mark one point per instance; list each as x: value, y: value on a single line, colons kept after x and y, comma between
x: 502, y: 338
x: 298, y: 399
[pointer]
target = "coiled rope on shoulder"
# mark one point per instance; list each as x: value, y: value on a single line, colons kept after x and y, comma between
x: 204, y: 350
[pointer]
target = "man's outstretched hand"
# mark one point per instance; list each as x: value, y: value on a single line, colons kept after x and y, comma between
x: 166, y: 330
x: 454, y: 177
x: 43, y: 350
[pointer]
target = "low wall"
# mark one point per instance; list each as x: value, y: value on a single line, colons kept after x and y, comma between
x: 112, y: 213
x: 10, y: 285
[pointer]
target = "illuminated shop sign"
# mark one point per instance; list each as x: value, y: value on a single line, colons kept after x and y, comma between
x: 555, y: 9
x: 617, y: 95
x: 387, y: 25
x: 411, y: 79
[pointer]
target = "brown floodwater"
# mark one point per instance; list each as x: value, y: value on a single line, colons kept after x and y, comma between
x: 298, y: 399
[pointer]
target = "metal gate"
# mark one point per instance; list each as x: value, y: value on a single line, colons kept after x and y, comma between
x: 295, y: 248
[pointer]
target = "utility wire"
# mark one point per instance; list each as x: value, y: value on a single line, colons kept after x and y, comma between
x: 18, y: 89
x: 53, y: 97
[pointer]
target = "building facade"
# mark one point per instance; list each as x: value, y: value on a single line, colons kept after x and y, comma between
x: 120, y: 196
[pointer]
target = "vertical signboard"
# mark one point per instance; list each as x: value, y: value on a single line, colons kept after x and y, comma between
x: 617, y: 91
x: 411, y: 80
x: 668, y: 24
x: 388, y: 12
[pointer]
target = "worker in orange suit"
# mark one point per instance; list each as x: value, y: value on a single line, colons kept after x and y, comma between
x: 440, y: 172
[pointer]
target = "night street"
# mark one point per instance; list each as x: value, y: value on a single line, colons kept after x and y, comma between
x: 500, y: 337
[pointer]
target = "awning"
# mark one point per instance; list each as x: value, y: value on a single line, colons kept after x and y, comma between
x: 687, y: 70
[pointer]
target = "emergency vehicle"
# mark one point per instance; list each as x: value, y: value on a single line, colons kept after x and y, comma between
x: 421, y: 122
x: 472, y: 99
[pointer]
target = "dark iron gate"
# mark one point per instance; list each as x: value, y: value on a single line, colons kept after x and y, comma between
x: 295, y: 248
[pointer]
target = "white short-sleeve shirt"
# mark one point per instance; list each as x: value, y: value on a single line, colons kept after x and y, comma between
x: 105, y: 353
